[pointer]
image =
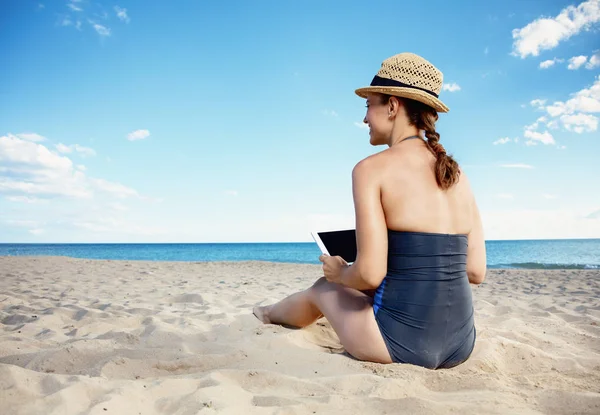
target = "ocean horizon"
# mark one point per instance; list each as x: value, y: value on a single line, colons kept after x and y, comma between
x: 527, y: 254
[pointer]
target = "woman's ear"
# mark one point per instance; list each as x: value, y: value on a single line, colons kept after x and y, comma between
x: 394, y: 105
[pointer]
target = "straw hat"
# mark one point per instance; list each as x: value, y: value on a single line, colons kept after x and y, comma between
x: 410, y: 76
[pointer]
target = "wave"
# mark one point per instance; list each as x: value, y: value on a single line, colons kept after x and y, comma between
x: 540, y: 265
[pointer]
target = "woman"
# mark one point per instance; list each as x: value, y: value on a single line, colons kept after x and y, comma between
x: 419, y: 237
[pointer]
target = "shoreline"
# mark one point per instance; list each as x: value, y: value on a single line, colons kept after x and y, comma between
x: 546, y: 267
x: 270, y: 242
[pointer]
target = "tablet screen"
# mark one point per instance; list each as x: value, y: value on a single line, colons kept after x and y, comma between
x: 342, y: 243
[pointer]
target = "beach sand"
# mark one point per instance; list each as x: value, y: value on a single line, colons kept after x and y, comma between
x: 84, y: 336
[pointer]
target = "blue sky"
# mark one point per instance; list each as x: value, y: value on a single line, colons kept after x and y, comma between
x: 206, y: 121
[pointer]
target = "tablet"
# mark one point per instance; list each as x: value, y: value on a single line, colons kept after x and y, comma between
x: 337, y: 242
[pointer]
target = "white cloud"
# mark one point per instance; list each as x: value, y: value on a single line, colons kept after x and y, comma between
x: 36, y: 138
x: 37, y: 231
x: 573, y: 115
x: 84, y: 151
x: 576, y: 62
x: 101, y: 30
x: 561, y: 147
x: 550, y: 62
x: 63, y: 148
x: 502, y: 141
x: 580, y: 123
x: 535, y: 125
x: 32, y: 169
x: 516, y: 166
x: 549, y: 196
x: 15, y: 150
x: 451, y: 87
x: 138, y: 135
x: 538, y: 103
x: 29, y: 171
x: 586, y: 100
x: 594, y: 61
x: 231, y: 192
x: 78, y: 25
x: 74, y: 7
x: 361, y: 125
x: 556, y: 109
x: 546, y: 33
x: 535, y: 137
x: 122, y: 14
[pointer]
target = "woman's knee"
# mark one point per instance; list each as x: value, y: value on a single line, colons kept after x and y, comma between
x: 321, y: 286
x: 320, y: 282
x: 318, y: 288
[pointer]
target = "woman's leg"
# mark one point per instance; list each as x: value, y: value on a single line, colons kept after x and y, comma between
x: 349, y: 311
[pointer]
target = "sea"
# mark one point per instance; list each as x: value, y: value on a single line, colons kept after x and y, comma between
x: 531, y: 254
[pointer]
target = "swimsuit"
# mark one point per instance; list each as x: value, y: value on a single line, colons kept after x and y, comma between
x: 423, y: 306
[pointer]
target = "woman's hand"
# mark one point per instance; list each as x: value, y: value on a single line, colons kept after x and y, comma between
x: 333, y: 267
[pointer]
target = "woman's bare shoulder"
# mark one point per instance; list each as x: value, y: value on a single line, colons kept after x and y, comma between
x: 371, y: 162
x: 464, y: 183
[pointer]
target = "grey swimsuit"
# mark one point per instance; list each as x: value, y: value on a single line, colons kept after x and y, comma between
x: 424, y: 306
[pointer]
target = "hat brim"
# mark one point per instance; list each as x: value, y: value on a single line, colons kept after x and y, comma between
x: 403, y: 92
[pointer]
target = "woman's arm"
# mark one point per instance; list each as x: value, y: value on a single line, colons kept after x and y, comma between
x: 370, y: 267
x: 476, y: 254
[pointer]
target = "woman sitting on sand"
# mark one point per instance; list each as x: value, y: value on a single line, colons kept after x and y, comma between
x: 419, y: 237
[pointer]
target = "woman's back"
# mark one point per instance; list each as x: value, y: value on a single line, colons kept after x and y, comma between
x: 412, y: 200
x: 411, y: 197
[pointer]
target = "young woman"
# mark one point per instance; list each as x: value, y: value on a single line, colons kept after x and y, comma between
x: 419, y: 236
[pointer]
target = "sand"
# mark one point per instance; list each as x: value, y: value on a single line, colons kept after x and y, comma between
x: 84, y: 336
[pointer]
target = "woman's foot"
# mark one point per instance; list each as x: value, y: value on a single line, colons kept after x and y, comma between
x: 262, y: 313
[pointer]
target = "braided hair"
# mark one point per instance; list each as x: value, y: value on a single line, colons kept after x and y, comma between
x: 424, y: 118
